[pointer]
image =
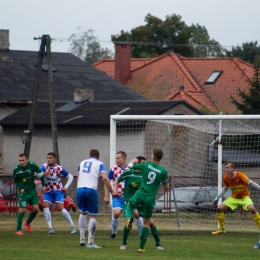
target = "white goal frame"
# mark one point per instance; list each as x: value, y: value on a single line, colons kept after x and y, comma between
x: 220, y: 118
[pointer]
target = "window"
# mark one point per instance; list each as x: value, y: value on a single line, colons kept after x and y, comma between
x: 213, y: 77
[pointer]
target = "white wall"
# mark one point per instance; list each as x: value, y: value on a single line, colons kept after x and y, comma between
x: 74, y: 144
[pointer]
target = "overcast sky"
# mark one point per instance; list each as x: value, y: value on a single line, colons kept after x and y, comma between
x: 230, y: 22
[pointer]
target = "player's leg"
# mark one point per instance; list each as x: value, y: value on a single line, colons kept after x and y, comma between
x: 220, y: 214
x: 92, y: 200
x: 19, y: 220
x: 138, y: 221
x: 48, y: 200
x: 83, y: 208
x: 59, y: 198
x: 118, y: 205
x: 34, y: 201
x: 148, y: 203
x: 249, y: 205
x: 155, y: 234
x: 126, y: 232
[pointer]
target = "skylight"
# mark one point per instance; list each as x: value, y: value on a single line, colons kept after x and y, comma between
x: 213, y: 77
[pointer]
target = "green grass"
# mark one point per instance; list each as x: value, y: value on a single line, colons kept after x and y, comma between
x: 179, y: 244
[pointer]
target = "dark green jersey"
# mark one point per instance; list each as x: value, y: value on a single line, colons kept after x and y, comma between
x: 132, y: 182
x: 152, y: 175
x: 24, y: 177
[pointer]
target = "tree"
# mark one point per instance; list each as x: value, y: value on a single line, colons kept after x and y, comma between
x: 250, y: 101
x: 249, y: 52
x: 156, y: 37
x: 202, y: 44
x: 86, y: 46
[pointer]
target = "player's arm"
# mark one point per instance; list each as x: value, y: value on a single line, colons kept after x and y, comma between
x: 215, y: 201
x: 106, y: 181
x: 16, y: 181
x: 165, y: 182
x: 110, y: 177
x: 254, y: 184
x: 131, y: 164
x: 70, y: 178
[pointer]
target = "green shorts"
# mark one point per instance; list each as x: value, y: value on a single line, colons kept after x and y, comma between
x: 144, y: 202
x: 140, y: 210
x: 28, y: 199
x: 234, y: 203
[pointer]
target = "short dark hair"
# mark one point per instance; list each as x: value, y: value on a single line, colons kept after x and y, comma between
x: 158, y: 154
x: 94, y: 153
x: 122, y: 153
x: 232, y: 164
x: 24, y: 155
x: 140, y: 158
x: 52, y: 154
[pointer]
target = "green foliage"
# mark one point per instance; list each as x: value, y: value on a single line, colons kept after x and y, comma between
x: 156, y: 37
x: 202, y: 44
x: 86, y: 46
x: 249, y: 52
x: 250, y: 101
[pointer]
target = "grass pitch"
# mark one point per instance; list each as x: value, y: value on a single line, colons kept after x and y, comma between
x: 178, y: 244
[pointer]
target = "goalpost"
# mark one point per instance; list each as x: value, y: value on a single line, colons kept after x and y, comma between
x: 195, y: 148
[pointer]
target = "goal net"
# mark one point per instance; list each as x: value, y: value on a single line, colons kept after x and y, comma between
x: 195, y: 149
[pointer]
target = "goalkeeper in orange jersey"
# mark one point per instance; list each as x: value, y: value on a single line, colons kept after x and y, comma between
x: 240, y: 196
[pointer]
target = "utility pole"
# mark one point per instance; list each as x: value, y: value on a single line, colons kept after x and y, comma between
x: 45, y: 49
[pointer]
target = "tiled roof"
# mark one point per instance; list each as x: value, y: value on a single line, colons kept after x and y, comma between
x: 89, y: 113
x: 171, y: 77
x: 18, y: 73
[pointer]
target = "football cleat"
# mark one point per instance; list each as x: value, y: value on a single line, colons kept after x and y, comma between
x: 82, y: 242
x: 28, y: 226
x: 159, y: 247
x: 93, y: 246
x: 140, y: 250
x: 257, y: 246
x: 73, y: 230
x: 112, y: 236
x: 19, y: 233
x: 128, y: 224
x: 123, y: 246
x: 219, y: 231
x: 51, y: 231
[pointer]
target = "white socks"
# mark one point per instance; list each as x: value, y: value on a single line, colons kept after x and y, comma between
x: 47, y: 215
x: 82, y: 225
x: 139, y: 224
x: 67, y: 216
x: 91, y: 230
x: 114, y: 225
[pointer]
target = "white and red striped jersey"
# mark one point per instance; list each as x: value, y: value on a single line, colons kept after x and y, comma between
x: 114, y: 173
x: 52, y: 181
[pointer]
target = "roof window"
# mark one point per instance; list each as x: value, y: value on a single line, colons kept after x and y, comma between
x: 213, y: 77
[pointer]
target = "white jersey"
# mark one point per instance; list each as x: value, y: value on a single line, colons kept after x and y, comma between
x: 88, y: 173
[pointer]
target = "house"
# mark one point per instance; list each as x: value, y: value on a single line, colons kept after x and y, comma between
x: 205, y: 83
x: 81, y: 127
x: 84, y: 97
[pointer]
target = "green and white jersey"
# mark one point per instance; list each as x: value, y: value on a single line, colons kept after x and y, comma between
x: 152, y: 175
x: 132, y: 182
x: 24, y: 177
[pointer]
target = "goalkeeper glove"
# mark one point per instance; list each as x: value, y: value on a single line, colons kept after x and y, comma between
x: 214, y: 202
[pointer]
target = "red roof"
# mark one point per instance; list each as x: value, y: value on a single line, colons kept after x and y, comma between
x: 173, y: 77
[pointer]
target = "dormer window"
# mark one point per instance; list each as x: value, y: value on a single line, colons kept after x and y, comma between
x: 213, y: 77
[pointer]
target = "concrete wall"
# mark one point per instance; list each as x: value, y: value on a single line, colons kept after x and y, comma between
x: 74, y: 145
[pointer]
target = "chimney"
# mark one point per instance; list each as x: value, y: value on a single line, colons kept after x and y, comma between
x: 81, y: 95
x: 122, y: 62
x: 4, y: 40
